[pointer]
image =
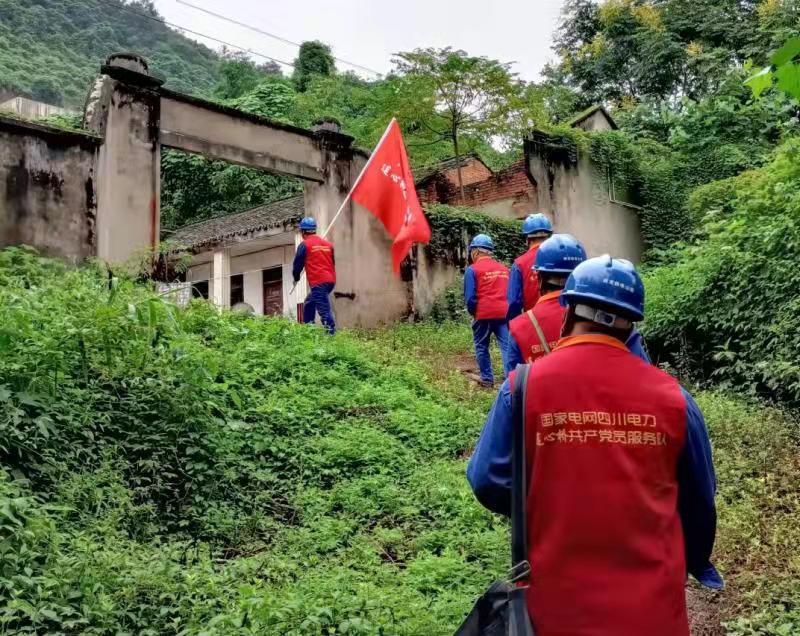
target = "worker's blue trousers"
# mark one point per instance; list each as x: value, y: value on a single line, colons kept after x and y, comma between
x: 318, y: 302
x: 481, y: 334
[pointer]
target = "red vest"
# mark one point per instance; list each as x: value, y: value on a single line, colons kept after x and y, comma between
x: 530, y: 279
x: 319, y: 261
x: 550, y: 315
x: 604, y: 434
x: 491, y: 287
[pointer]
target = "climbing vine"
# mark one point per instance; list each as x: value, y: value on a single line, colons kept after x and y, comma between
x: 453, y: 227
x: 648, y: 173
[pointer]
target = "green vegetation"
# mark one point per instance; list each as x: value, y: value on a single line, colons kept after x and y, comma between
x: 452, y: 227
x: 313, y: 60
x: 724, y: 306
x: 52, y: 49
x: 625, y: 51
x: 171, y: 471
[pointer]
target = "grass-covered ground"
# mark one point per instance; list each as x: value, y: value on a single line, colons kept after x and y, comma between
x: 185, y: 472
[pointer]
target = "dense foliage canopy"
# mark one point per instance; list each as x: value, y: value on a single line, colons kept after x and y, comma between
x: 52, y: 49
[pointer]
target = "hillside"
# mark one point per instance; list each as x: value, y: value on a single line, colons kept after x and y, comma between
x: 52, y: 49
x: 168, y: 471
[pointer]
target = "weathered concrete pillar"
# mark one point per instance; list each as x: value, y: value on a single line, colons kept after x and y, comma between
x: 221, y: 277
x: 301, y: 289
x: 367, y: 291
x: 124, y: 107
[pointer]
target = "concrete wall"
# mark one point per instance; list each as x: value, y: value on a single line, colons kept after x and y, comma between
x: 512, y: 209
x: 47, y: 189
x: 32, y: 109
x: 129, y: 165
x: 251, y: 266
x: 597, y: 121
x: 369, y: 293
x: 431, y: 278
x: 222, y: 133
x: 578, y: 201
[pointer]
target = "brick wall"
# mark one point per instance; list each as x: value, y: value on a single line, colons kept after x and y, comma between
x: 472, y: 171
x: 511, y: 184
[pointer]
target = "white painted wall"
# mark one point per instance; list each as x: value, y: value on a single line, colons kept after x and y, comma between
x: 251, y: 267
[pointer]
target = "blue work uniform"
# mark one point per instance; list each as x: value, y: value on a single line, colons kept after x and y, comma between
x: 485, y: 286
x: 489, y: 475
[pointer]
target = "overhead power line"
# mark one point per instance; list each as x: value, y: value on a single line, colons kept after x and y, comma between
x: 127, y: 9
x: 270, y: 35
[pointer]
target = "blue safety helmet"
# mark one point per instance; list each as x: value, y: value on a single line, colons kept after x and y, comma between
x: 483, y: 241
x: 535, y: 223
x: 308, y: 225
x: 610, y: 283
x: 559, y: 254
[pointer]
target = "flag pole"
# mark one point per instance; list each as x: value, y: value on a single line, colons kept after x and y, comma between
x: 358, y: 179
x: 353, y: 187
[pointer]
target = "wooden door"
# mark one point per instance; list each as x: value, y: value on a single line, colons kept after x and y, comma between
x: 273, y: 292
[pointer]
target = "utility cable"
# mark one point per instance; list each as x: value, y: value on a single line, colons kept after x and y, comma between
x: 127, y: 9
x: 270, y: 35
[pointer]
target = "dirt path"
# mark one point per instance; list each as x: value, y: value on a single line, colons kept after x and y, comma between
x: 704, y: 611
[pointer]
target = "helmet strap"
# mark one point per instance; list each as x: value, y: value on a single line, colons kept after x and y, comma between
x: 602, y: 317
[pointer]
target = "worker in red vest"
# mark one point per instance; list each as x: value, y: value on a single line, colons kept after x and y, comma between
x: 315, y: 254
x: 485, y: 287
x: 536, y: 332
x: 620, y: 502
x: 523, y: 286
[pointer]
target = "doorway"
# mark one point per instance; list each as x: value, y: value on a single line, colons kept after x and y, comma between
x: 273, y: 291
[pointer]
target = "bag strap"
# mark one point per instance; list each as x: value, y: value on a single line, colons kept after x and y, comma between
x: 520, y: 568
x: 539, y: 332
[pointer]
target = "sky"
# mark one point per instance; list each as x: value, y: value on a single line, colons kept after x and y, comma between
x: 368, y: 32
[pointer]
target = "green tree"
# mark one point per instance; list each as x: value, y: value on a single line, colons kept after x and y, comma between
x: 194, y: 188
x: 55, y: 47
x: 237, y: 75
x: 314, y: 58
x: 44, y: 89
x: 458, y: 94
x: 783, y: 71
x: 623, y: 50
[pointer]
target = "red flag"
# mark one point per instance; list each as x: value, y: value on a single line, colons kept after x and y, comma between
x: 386, y: 188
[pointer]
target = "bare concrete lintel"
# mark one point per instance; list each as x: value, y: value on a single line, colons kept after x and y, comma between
x: 240, y: 156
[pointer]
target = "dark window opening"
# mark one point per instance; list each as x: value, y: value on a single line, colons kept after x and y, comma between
x: 237, y: 289
x: 273, y: 274
x: 200, y: 289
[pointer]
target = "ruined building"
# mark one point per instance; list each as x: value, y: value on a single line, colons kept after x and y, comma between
x: 96, y: 193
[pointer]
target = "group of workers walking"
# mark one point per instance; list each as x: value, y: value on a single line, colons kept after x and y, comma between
x: 621, y: 484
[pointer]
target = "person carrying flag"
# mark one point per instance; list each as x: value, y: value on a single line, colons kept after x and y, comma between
x: 485, y: 287
x: 523, y: 288
x: 315, y: 254
x: 621, y: 483
x: 536, y: 332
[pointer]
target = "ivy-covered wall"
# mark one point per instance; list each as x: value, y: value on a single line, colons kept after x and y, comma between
x: 453, y: 227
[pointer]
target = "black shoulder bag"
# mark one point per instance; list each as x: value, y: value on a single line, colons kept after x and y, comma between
x: 502, y: 610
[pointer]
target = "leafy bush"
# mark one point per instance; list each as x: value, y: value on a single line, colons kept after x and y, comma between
x: 170, y: 471
x: 453, y: 227
x: 725, y: 307
x: 180, y: 471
